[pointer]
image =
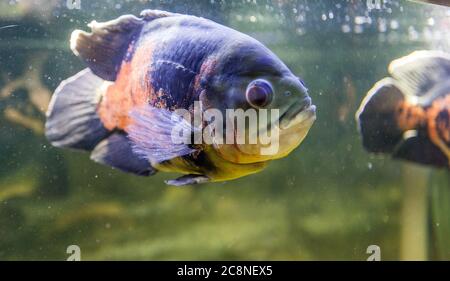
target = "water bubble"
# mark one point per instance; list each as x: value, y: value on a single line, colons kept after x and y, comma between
x: 301, y: 18
x: 382, y: 26
x: 300, y: 31
x: 394, y: 24
x: 358, y: 29
x: 413, y: 34
x: 346, y: 28
x: 360, y: 20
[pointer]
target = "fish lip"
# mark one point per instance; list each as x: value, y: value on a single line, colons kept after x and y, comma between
x: 304, y: 117
x: 304, y: 107
x: 297, y: 107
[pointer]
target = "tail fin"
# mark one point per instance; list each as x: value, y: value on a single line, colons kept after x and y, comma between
x: 376, y: 117
x: 72, y: 119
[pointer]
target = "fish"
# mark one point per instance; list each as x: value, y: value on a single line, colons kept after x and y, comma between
x: 148, y: 77
x: 407, y: 115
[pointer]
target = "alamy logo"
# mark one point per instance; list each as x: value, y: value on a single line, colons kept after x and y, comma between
x: 235, y: 127
x: 75, y: 253
x: 375, y: 253
x: 375, y: 4
x: 73, y: 4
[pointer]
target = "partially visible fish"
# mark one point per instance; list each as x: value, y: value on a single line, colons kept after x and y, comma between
x: 408, y: 115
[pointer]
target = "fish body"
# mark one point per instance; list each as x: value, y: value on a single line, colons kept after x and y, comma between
x: 408, y: 115
x: 143, y: 70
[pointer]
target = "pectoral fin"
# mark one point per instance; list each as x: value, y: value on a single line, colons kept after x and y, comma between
x: 188, y: 180
x: 159, y: 134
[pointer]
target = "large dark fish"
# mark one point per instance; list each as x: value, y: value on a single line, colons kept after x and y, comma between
x: 408, y: 115
x: 143, y: 69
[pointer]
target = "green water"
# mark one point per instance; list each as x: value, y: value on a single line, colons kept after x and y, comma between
x: 327, y: 200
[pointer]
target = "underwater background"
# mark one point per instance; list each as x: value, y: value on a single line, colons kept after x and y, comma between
x: 328, y: 200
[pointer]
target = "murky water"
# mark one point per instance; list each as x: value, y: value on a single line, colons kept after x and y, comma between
x: 329, y: 199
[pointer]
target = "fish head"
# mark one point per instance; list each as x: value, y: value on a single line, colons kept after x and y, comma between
x: 267, y: 106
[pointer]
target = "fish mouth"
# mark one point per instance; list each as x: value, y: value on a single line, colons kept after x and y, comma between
x: 300, y: 114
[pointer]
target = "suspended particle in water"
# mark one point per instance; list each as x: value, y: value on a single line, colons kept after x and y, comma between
x: 382, y: 27
x: 359, y: 29
x: 394, y: 24
x: 346, y: 28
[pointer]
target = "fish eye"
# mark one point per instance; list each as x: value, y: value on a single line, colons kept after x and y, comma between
x: 259, y: 93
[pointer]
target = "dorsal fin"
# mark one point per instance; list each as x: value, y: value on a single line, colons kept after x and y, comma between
x: 149, y: 15
x: 104, y: 48
x: 420, y: 72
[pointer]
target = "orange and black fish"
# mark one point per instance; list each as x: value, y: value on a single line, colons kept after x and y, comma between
x: 141, y: 70
x: 408, y: 115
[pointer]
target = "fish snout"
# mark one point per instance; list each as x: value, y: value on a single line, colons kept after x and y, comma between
x: 301, y: 113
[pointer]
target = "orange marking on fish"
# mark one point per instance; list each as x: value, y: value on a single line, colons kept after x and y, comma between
x: 132, y: 88
x: 410, y: 116
x: 439, y: 132
x: 206, y: 70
